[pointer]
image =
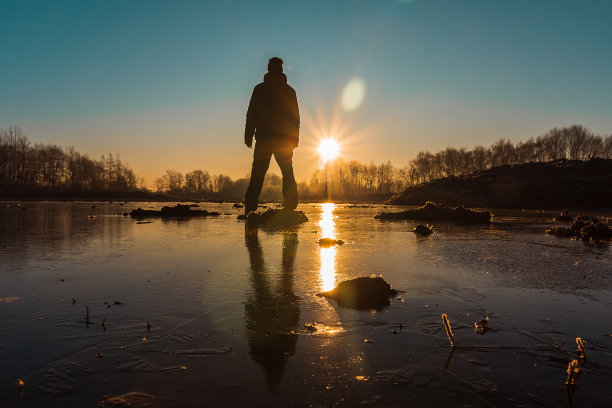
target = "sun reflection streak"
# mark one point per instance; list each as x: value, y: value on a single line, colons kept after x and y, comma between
x: 328, y: 268
x: 327, y: 224
x: 327, y: 273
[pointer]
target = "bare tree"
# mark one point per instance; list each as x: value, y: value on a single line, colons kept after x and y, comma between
x: 197, y: 181
x: 607, y: 147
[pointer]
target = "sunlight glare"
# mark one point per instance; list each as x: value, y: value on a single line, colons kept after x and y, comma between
x: 328, y: 268
x: 328, y: 149
x: 327, y: 272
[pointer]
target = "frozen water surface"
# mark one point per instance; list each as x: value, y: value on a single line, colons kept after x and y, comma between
x: 235, y: 320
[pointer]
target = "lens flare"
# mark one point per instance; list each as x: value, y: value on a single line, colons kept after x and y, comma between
x: 353, y: 94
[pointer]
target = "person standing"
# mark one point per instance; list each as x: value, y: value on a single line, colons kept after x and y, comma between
x: 273, y: 119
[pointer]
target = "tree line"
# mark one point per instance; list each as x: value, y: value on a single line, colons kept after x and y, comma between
x: 356, y: 179
x: 575, y: 142
x: 25, y: 165
x: 201, y: 184
x: 48, y: 166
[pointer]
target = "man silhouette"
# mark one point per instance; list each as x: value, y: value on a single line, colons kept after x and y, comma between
x: 273, y: 118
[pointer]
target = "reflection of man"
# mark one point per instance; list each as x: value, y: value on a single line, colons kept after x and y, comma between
x: 273, y: 118
x: 271, y: 314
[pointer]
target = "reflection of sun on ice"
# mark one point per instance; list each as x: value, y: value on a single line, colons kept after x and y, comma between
x: 328, y: 268
x: 328, y: 255
x: 328, y: 149
x: 327, y: 224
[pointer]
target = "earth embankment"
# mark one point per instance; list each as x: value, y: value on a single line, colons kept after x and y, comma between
x: 551, y: 185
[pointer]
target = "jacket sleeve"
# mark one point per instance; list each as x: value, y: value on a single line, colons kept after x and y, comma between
x: 251, y: 121
x: 296, y: 117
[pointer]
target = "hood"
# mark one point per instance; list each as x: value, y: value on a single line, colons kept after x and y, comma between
x: 280, y: 78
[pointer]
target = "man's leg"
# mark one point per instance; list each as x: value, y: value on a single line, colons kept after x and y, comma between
x: 284, y: 157
x: 261, y: 161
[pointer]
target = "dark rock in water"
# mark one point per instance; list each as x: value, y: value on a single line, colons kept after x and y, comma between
x: 562, y: 232
x: 482, y: 326
x: 178, y: 211
x: 434, y: 212
x: 584, y: 228
x: 242, y: 217
x: 565, y: 216
x: 237, y: 205
x: 276, y: 218
x: 422, y: 230
x: 329, y: 242
x: 362, y: 293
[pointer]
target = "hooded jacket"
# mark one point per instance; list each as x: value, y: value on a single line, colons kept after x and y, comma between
x: 273, y: 112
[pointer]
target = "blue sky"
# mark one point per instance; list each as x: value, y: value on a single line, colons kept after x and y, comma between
x: 166, y: 83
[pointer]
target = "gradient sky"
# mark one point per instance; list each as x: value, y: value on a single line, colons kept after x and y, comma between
x: 166, y: 83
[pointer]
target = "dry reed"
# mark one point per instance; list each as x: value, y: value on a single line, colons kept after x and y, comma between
x: 449, y: 331
x: 573, y: 369
x: 581, y: 350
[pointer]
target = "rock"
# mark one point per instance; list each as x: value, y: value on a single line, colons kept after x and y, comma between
x: 329, y: 242
x: 434, y: 212
x: 561, y: 232
x: 482, y: 326
x: 596, y: 231
x: 362, y: 293
x: 178, y: 211
x: 237, y: 205
x: 565, y: 216
x: 130, y: 399
x: 584, y: 228
x: 422, y: 230
x: 276, y: 218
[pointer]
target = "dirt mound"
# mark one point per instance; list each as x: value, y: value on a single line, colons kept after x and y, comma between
x: 557, y: 184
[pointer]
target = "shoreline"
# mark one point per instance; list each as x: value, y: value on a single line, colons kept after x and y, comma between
x: 355, y: 203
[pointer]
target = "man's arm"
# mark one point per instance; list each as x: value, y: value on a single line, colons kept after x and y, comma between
x: 296, y: 118
x: 249, y: 127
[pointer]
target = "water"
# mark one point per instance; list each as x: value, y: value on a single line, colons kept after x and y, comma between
x: 235, y: 319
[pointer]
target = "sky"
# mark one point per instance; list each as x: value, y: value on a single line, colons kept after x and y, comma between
x: 166, y: 84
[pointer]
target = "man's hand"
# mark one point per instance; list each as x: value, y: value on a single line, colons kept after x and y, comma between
x: 248, y: 141
x: 249, y: 133
x: 292, y: 142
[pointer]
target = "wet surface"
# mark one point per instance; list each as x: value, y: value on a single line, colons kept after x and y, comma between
x: 205, y: 312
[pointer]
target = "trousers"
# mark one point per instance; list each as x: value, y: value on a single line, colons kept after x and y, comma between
x: 283, y: 155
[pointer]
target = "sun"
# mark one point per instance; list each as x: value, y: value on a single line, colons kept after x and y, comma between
x: 328, y: 149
